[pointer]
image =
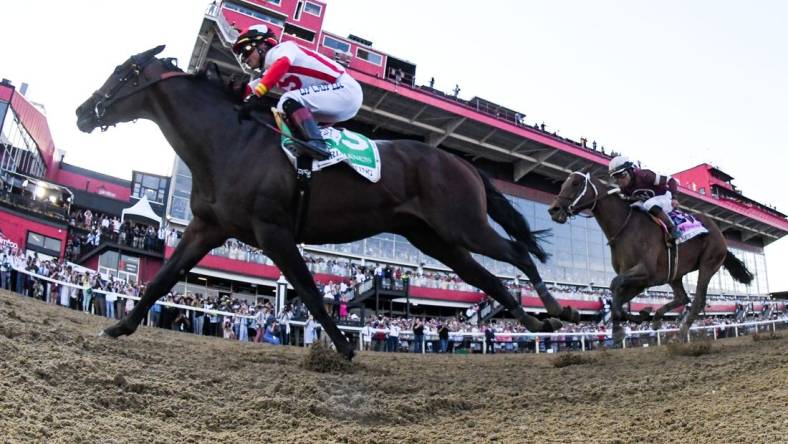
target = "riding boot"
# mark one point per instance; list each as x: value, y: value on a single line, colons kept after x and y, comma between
x: 661, y: 215
x: 301, y: 118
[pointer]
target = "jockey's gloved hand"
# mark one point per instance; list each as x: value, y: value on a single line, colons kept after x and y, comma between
x: 253, y: 102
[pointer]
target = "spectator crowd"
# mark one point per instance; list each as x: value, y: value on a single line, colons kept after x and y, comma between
x: 89, y: 230
x: 237, y: 319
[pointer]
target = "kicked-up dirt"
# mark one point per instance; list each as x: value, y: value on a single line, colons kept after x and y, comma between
x: 61, y: 383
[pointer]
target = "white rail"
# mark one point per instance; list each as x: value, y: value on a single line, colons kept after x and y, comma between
x: 473, y: 336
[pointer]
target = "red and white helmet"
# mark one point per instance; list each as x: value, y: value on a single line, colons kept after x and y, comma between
x: 249, y: 39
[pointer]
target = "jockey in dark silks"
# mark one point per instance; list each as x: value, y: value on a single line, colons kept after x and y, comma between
x: 650, y: 191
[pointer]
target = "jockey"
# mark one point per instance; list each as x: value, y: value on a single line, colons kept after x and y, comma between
x: 651, y: 191
x: 317, y: 88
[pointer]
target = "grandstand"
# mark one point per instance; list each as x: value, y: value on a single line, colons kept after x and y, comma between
x: 528, y: 163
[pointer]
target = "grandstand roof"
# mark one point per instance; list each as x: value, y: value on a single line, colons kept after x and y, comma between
x: 476, y: 131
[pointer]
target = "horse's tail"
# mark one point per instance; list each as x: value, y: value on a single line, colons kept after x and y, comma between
x: 507, y: 216
x: 737, y: 269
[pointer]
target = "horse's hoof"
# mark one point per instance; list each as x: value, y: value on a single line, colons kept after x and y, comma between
x: 551, y: 324
x: 645, y: 314
x: 114, y: 331
x: 350, y: 354
x: 656, y: 325
x: 569, y: 314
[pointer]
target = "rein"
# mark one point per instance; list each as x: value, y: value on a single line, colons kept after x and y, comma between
x: 132, y: 75
x: 621, y: 229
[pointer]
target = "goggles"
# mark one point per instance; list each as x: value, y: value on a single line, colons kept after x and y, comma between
x: 245, y: 51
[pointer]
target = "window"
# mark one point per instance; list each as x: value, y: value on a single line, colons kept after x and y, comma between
x: 180, y: 208
x: 112, y: 263
x: 43, y: 244
x: 3, y: 107
x: 301, y: 33
x: 150, y: 181
x: 297, y: 15
x: 20, y: 151
x: 154, y: 187
x: 129, y: 264
x: 702, y: 191
x: 179, y: 205
x: 264, y: 16
x: 109, y: 259
x: 313, y: 8
x: 371, y: 57
x: 338, y: 45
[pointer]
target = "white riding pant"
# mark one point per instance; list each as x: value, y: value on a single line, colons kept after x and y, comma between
x: 329, y: 103
x: 664, y: 201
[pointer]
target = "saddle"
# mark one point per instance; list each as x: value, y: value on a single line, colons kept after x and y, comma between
x: 354, y: 149
x: 689, y: 226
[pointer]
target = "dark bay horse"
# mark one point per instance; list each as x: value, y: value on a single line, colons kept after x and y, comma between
x: 638, y: 250
x: 243, y: 187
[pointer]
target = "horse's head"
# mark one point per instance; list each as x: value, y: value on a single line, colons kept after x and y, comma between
x: 578, y: 193
x: 117, y: 99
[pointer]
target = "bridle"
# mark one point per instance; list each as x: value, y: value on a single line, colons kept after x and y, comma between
x: 131, y: 76
x: 572, y: 209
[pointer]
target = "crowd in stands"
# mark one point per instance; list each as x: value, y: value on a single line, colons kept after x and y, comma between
x: 258, y: 322
x: 90, y: 228
x: 355, y: 272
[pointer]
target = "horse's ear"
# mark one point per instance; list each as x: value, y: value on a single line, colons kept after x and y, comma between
x: 156, y: 50
x: 149, y: 53
x: 586, y: 169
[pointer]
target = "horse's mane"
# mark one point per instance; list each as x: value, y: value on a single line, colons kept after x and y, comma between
x: 211, y: 83
x: 228, y: 89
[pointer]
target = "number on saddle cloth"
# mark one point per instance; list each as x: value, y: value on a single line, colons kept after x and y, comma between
x: 687, y: 224
x: 357, y: 150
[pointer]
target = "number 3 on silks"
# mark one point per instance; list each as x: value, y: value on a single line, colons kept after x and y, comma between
x: 354, y: 141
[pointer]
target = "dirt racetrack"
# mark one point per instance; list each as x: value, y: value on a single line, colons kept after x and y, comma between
x: 60, y: 383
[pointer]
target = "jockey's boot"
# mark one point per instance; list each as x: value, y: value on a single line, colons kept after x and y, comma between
x: 302, y: 119
x: 657, y: 212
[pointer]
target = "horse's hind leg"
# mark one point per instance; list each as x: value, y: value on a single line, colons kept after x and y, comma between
x: 679, y: 298
x: 470, y: 271
x: 709, y: 266
x: 279, y: 244
x: 484, y: 240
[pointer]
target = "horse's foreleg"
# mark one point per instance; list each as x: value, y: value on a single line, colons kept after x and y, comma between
x: 198, y: 239
x: 679, y: 298
x: 279, y: 244
x: 624, y: 287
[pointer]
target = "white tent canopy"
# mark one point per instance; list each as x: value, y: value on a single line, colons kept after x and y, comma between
x: 141, y: 209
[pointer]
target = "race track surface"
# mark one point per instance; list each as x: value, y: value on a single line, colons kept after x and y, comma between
x: 60, y: 383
